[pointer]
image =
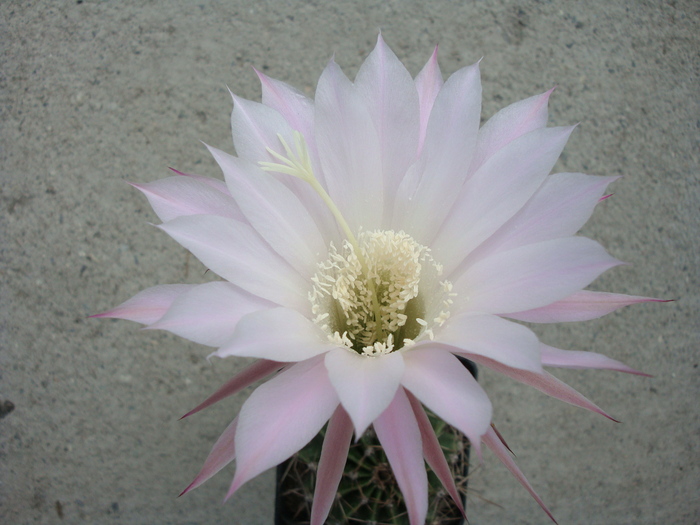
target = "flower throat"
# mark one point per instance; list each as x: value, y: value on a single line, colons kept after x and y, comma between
x: 370, y: 294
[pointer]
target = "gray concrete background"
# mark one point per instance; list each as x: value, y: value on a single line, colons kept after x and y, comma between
x: 94, y: 93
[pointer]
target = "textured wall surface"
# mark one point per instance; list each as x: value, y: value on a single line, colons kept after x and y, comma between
x: 96, y: 93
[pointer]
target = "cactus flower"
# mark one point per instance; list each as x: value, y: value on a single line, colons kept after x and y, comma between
x: 366, y: 238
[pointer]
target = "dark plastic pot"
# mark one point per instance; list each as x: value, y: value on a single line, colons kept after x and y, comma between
x: 296, y: 478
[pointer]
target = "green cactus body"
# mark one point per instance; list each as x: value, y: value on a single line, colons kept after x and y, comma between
x: 368, y: 493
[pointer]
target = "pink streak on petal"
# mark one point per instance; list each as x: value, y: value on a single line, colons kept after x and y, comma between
x: 441, y: 383
x: 280, y: 417
x: 334, y: 455
x: 217, y: 184
x: 508, y: 343
x: 580, y: 306
x: 498, y: 434
x: 250, y: 375
x: 176, y: 196
x: 208, y: 314
x: 544, y: 382
x: 605, y: 197
x: 494, y: 443
x: 222, y: 453
x: 555, y: 357
x: 365, y: 385
x: 428, y: 84
x: 149, y: 305
x: 278, y: 334
x: 399, y: 435
x: 434, y: 456
x: 508, y: 124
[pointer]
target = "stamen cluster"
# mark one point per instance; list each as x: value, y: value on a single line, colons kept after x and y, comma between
x: 371, y: 303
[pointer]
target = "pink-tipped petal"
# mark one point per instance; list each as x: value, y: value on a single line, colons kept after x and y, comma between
x: 557, y: 358
x: 399, y: 435
x: 433, y: 454
x: 278, y: 334
x: 546, y: 383
x: 236, y: 252
x: 428, y: 84
x: 532, y: 276
x: 581, y: 306
x: 177, y: 196
x: 149, y: 305
x: 208, y: 313
x: 330, y: 467
x: 494, y: 443
x: 490, y: 336
x: 508, y: 124
x: 365, y: 385
x: 275, y: 212
x: 217, y: 184
x: 222, y: 453
x: 258, y: 370
x: 497, y: 191
x: 280, y: 417
x: 441, y: 383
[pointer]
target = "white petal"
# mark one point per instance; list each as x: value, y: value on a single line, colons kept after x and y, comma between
x: 208, y: 313
x: 275, y: 212
x: 490, y: 336
x: 255, y: 128
x: 280, y: 417
x: 428, y: 84
x: 496, y: 192
x: 278, y: 334
x: 389, y: 93
x: 365, y: 385
x: 149, y: 305
x: 532, y: 276
x: 348, y: 147
x: 508, y: 124
x: 446, y: 387
x: 236, y: 252
x: 432, y: 184
x: 559, y: 208
x: 296, y: 108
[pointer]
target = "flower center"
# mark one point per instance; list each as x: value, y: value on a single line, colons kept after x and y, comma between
x: 376, y: 293
x: 383, y: 307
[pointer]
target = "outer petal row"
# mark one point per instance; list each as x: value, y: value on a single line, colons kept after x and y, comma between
x: 280, y: 417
